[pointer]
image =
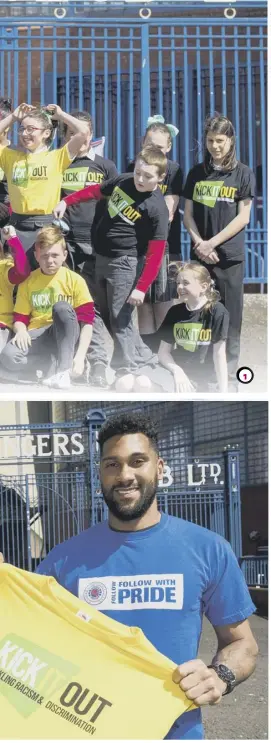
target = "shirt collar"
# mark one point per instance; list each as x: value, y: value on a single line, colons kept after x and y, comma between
x: 90, y: 154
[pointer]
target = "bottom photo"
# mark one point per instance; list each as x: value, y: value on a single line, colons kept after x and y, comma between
x: 134, y: 570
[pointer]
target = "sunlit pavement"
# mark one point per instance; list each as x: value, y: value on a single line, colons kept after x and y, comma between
x: 244, y: 712
x: 253, y: 356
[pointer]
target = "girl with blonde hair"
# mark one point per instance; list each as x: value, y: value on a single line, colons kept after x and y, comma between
x: 192, y: 351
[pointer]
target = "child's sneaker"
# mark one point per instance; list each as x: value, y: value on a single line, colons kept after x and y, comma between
x: 61, y: 380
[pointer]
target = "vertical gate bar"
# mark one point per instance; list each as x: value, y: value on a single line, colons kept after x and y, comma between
x: 29, y: 66
x: 71, y: 486
x: 15, y: 98
x: 12, y: 551
x: 145, y: 76
x: 173, y: 88
x: 17, y: 521
x: 233, y: 499
x: 2, y: 59
x: 42, y: 49
x: 93, y: 72
x: 251, y: 236
x: 9, y: 58
x: 199, y: 105
x: 160, y: 74
x: 131, y: 124
x: 236, y: 91
x: 55, y: 507
x: 106, y: 107
x: 22, y: 527
x: 249, y: 98
x: 55, y: 96
x: 186, y: 107
x: 80, y: 69
x: 6, y: 520
x: 119, y: 127
x: 263, y: 128
x: 29, y: 561
x: 67, y: 69
x: 62, y: 506
x: 211, y: 71
x: 224, y: 70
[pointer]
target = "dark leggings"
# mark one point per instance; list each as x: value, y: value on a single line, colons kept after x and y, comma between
x: 229, y: 280
x: 52, y: 347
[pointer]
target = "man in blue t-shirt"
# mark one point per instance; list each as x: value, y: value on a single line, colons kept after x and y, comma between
x: 160, y: 573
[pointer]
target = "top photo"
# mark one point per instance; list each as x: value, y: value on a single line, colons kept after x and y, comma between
x: 133, y: 197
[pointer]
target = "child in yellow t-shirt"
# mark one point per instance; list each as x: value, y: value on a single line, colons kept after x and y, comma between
x: 14, y: 268
x: 53, y: 317
x: 33, y: 171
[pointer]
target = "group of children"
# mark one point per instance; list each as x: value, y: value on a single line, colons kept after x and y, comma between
x: 119, y: 267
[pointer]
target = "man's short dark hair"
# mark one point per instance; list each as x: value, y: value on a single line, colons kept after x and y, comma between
x: 125, y: 423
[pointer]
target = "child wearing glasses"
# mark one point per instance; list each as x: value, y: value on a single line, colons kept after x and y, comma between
x: 33, y: 171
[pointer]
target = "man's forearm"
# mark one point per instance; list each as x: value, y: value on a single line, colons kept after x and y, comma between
x: 240, y: 656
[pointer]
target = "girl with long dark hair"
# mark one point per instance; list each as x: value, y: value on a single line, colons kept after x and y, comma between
x: 218, y: 197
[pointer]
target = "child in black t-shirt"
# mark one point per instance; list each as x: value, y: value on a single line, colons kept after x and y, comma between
x: 218, y: 197
x: 130, y: 243
x: 159, y: 298
x: 87, y: 168
x: 192, y: 338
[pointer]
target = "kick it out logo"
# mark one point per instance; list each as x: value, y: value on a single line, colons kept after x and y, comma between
x: 29, y: 672
x: 23, y: 172
x: 44, y: 299
x: 190, y: 335
x: 209, y: 192
x: 121, y: 204
x: 76, y: 178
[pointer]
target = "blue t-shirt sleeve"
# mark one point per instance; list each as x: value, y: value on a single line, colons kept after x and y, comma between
x: 226, y: 599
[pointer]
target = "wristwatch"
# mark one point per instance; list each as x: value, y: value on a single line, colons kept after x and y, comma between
x: 225, y: 674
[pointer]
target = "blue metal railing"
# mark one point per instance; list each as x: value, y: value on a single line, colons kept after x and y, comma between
x: 122, y: 69
x: 255, y: 570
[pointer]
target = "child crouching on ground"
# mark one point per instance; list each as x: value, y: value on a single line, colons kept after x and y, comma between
x: 192, y: 351
x: 53, y: 318
x: 14, y: 268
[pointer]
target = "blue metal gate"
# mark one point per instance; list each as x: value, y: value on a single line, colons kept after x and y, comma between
x: 55, y: 491
x: 186, y: 60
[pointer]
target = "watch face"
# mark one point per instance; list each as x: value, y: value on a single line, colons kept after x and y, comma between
x: 228, y: 675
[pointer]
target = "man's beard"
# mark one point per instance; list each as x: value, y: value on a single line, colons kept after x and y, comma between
x: 123, y: 511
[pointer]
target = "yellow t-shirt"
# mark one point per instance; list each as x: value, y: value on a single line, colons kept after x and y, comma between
x: 34, y: 180
x: 69, y: 672
x: 2, y: 174
x: 37, y: 295
x: 6, y: 293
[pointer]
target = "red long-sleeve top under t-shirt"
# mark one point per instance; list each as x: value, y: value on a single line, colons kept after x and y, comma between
x: 14, y: 276
x: 155, y: 248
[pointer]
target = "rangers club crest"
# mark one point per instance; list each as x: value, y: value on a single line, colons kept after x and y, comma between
x: 95, y: 593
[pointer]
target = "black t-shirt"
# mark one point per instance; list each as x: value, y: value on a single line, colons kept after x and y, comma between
x: 4, y: 197
x: 131, y: 218
x: 171, y: 186
x: 192, y: 334
x: 215, y: 203
x: 83, y: 172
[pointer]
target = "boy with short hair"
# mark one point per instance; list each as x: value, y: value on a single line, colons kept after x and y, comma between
x: 85, y: 169
x: 53, y: 317
x: 130, y: 242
